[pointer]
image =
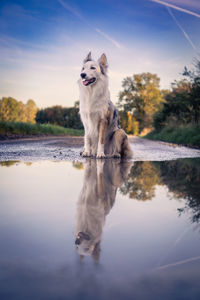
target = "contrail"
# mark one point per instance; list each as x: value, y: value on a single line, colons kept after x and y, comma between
x: 178, y: 263
x: 70, y: 8
x: 177, y: 8
x: 181, y: 28
x: 110, y: 39
x: 76, y: 13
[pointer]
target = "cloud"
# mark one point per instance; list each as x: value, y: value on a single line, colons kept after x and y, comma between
x: 187, y: 11
x: 43, y: 74
x: 49, y: 74
x: 77, y: 14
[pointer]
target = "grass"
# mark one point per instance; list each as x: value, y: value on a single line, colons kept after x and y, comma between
x: 186, y: 135
x: 23, y: 129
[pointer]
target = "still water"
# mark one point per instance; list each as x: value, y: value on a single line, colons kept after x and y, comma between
x: 100, y: 230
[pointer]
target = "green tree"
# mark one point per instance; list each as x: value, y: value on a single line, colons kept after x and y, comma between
x: 58, y: 115
x: 176, y: 108
x: 182, y: 103
x: 142, y: 97
x: 194, y: 78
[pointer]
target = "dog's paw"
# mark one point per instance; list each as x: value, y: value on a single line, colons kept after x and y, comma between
x: 93, y: 153
x: 100, y: 155
x: 86, y: 154
x: 117, y: 155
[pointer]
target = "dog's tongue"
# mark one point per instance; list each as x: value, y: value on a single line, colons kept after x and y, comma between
x: 85, y: 82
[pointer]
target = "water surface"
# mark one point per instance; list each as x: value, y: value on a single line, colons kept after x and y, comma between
x: 100, y: 229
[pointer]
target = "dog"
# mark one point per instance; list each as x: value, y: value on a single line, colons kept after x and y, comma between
x: 103, y: 135
x: 97, y: 197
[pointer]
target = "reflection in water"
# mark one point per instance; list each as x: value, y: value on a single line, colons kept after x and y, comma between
x: 78, y: 165
x: 148, y: 252
x: 8, y: 163
x: 182, y: 178
x: 141, y: 181
x: 13, y: 163
x: 97, y: 197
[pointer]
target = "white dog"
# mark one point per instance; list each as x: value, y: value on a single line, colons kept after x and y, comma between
x: 103, y: 135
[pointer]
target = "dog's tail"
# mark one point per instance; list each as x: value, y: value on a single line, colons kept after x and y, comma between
x: 126, y: 148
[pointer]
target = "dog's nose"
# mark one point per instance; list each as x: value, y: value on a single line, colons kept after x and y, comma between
x: 77, y: 241
x: 83, y: 75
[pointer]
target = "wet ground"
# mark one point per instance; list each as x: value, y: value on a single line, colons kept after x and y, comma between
x: 68, y: 149
x: 73, y: 228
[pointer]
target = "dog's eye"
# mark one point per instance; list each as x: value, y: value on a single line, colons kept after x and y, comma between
x: 92, y: 68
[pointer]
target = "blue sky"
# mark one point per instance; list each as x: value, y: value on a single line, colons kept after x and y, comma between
x: 43, y: 43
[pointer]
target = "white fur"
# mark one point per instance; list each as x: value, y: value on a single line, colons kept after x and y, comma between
x: 93, y: 107
x: 103, y: 135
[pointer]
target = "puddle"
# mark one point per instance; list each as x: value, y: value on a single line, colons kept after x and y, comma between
x: 100, y: 229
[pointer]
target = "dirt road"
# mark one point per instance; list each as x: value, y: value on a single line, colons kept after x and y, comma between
x: 68, y: 149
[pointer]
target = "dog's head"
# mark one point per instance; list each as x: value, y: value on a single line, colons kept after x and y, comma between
x: 87, y: 246
x: 93, y: 70
x: 83, y: 243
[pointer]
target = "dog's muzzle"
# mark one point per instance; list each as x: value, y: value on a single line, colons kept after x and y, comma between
x: 87, y: 81
x: 80, y: 237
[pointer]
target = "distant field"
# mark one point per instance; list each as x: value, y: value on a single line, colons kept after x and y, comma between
x: 11, y: 129
x: 185, y: 135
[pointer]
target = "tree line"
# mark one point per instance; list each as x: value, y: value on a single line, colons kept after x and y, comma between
x: 12, y: 110
x: 63, y: 116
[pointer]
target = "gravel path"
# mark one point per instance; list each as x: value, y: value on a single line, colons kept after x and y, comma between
x: 68, y: 149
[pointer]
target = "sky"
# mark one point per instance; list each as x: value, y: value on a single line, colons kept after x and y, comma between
x: 43, y: 44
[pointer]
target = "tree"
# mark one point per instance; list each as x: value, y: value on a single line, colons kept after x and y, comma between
x: 142, y: 97
x: 31, y: 110
x: 8, y: 109
x: 194, y: 78
x: 182, y: 103
x: 176, y: 108
x: 12, y: 110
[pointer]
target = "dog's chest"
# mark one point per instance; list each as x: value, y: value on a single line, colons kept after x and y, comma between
x: 92, y: 113
x: 91, y: 119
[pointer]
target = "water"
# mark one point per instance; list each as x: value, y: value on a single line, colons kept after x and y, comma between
x: 100, y: 230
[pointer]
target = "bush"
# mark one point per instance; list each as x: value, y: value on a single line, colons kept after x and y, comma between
x: 20, y: 128
x: 186, y: 135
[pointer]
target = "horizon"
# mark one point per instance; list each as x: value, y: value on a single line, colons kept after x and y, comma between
x: 43, y: 44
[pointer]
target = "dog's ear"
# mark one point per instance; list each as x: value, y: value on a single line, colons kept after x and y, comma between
x: 103, y: 63
x: 88, y: 57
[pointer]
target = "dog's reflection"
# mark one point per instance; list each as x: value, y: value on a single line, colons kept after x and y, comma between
x: 101, y: 180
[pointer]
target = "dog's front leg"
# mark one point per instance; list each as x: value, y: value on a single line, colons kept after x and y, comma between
x: 100, y: 179
x: 87, y: 145
x: 103, y: 125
